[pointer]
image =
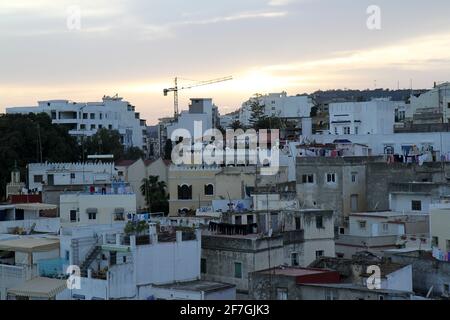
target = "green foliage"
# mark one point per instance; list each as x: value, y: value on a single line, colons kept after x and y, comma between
x: 155, y: 194
x: 236, y: 124
x: 104, y: 142
x: 135, y: 228
x: 24, y: 137
x: 257, y: 109
x: 168, y: 150
x: 133, y: 153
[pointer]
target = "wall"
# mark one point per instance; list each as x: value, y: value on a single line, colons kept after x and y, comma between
x: 222, y: 252
x: 49, y: 225
x: 439, y: 225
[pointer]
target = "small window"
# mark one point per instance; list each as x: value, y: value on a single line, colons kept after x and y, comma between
x: 294, y: 259
x: 385, y: 227
x: 354, y: 177
x: 238, y: 270
x: 85, y: 115
x: 249, y: 219
x: 331, y: 178
x: 346, y: 130
x: 67, y: 255
x: 448, y: 105
x: 92, y: 116
x: 356, y: 130
x: 72, y: 175
x: 362, y: 224
x: 335, y: 130
x: 319, y: 253
x: 124, y: 259
x: 184, y: 192
x: 282, y: 293
x: 435, y: 241
x: 73, y: 215
x: 209, y: 190
x: 238, y: 220
x: 203, y: 265
x: 110, y: 126
x: 416, y: 205
x: 92, y: 126
x: 92, y: 216
x: 37, y: 178
x: 82, y: 127
x: 308, y: 178
x: 100, y: 126
x: 319, y: 222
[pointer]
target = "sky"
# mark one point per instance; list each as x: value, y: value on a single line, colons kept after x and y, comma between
x: 82, y: 50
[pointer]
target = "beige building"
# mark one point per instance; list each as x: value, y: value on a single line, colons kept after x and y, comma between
x: 97, y: 208
x: 134, y: 171
x: 191, y: 187
x: 439, y: 227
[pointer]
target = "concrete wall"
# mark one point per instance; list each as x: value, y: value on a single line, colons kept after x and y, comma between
x: 221, y: 253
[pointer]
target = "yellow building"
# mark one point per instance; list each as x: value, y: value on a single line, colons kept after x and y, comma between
x: 440, y: 227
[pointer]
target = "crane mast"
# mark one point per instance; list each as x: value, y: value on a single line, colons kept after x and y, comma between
x: 175, y: 90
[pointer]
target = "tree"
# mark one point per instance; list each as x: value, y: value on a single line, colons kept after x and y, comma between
x: 135, y: 227
x: 168, y: 150
x: 155, y: 194
x: 236, y: 124
x: 32, y: 138
x: 105, y: 142
x: 133, y: 153
x: 257, y: 109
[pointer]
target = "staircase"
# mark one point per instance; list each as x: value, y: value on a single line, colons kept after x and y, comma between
x: 90, y: 257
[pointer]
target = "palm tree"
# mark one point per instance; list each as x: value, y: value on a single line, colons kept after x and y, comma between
x: 155, y: 194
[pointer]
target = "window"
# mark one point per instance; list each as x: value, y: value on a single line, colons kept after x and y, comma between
x: 238, y: 220
x: 435, y: 241
x: 282, y: 293
x: 249, y: 219
x: 72, y: 175
x: 329, y: 295
x: 294, y: 259
x: 416, y: 205
x: 82, y: 127
x: 113, y: 258
x: 331, y: 178
x: 319, y: 222
x: 209, y: 190
x: 120, y: 173
x: 346, y: 130
x: 92, y: 215
x: 184, y: 192
x: 92, y: 116
x: 85, y: 115
x: 92, y: 126
x: 110, y: 126
x: 67, y: 255
x: 319, y: 253
x: 385, y: 227
x: 388, y: 149
x: 448, y: 105
x: 356, y: 130
x: 308, y: 178
x: 354, y: 177
x: 73, y: 215
x: 238, y: 270
x: 101, y: 116
x: 124, y: 259
x: 203, y: 265
x: 362, y: 224
x: 37, y: 178
x: 100, y: 126
x: 298, y: 224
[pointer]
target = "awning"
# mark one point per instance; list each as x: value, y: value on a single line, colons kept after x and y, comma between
x: 36, y: 206
x: 91, y: 210
x: 119, y: 210
x: 39, y: 287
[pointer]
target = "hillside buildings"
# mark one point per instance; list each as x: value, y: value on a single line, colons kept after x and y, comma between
x: 84, y: 118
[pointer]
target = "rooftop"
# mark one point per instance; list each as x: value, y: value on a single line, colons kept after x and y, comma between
x: 29, y: 244
x: 293, y: 272
x: 197, y: 285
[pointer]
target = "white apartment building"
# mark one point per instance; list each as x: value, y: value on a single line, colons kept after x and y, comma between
x: 85, y: 118
x: 66, y: 174
x: 280, y: 105
x: 201, y: 111
x: 437, y: 98
x: 102, y: 206
x: 371, y: 117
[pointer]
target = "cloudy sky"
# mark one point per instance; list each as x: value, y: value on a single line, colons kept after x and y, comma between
x: 136, y: 47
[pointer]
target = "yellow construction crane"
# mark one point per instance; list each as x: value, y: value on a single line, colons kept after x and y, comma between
x: 175, y: 90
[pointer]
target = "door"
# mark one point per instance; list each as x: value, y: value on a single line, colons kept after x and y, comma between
x: 50, y: 180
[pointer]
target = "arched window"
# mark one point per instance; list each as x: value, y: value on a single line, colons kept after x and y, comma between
x: 184, y: 192
x: 209, y: 189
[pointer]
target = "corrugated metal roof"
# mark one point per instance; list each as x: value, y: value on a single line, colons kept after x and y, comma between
x: 39, y: 287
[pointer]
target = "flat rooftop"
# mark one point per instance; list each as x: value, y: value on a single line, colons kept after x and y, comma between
x: 386, y: 214
x: 29, y: 244
x: 197, y: 285
x: 294, y: 272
